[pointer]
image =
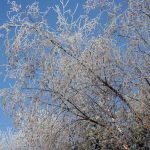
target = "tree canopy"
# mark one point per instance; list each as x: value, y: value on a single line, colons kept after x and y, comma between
x: 83, y: 85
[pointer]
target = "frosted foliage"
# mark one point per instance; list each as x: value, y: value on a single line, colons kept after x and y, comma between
x: 14, y: 6
x: 46, y: 129
x: 84, y: 84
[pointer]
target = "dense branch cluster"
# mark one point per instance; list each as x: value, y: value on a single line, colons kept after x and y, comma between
x: 83, y: 85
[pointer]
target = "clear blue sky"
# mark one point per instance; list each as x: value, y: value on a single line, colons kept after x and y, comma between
x: 5, y: 120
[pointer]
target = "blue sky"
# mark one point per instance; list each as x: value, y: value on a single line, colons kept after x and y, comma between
x: 6, y: 121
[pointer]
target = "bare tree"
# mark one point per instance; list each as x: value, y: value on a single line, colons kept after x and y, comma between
x: 95, y: 74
